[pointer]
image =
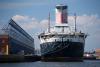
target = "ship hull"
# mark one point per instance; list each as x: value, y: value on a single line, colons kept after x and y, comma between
x: 62, y: 51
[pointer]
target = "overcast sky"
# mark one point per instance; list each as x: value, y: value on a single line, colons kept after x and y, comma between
x: 32, y: 16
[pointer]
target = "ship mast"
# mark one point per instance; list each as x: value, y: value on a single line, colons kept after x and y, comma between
x: 75, y: 22
x: 49, y: 23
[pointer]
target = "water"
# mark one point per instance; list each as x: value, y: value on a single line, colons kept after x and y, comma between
x: 92, y: 63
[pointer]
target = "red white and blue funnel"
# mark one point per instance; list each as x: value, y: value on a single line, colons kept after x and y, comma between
x: 61, y: 14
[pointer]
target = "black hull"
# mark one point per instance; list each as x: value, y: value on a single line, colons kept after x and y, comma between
x: 62, y: 51
x: 62, y: 59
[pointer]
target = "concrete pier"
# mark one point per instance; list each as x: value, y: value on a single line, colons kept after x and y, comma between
x: 18, y: 58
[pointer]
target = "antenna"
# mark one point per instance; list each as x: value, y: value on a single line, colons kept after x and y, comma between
x: 49, y: 23
x: 75, y: 21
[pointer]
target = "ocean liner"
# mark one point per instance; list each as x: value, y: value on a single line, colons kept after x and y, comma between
x: 60, y: 43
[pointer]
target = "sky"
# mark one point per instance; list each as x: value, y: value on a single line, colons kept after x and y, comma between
x: 32, y: 16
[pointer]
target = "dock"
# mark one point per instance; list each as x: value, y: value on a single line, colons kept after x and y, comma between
x: 18, y: 58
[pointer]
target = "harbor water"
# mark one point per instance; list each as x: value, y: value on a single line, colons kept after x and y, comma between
x: 86, y: 63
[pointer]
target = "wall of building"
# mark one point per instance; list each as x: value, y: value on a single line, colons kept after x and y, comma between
x: 97, y: 52
x: 4, y: 47
x: 17, y: 41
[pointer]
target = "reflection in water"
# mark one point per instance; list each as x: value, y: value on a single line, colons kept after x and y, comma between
x: 53, y: 64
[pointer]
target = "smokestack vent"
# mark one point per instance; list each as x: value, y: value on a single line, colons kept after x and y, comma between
x: 61, y: 14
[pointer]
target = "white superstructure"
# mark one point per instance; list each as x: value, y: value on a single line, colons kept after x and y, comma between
x: 62, y: 30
